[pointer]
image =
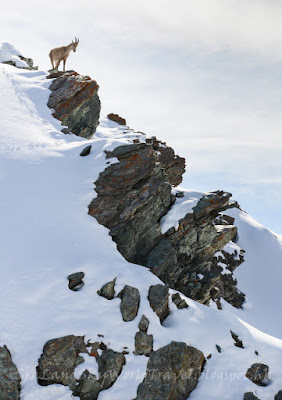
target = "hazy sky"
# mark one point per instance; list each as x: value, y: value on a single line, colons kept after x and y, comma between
x: 205, y: 76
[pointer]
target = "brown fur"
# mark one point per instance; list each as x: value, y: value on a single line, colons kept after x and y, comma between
x: 61, y: 54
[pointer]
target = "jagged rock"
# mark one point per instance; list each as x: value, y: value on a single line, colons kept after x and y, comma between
x: 158, y: 298
x: 218, y: 348
x: 75, y: 102
x: 278, y: 396
x: 116, y: 118
x: 172, y: 373
x: 144, y: 324
x: 85, y: 151
x: 108, y: 290
x: 75, y: 281
x: 178, y: 301
x: 134, y: 194
x: 110, y: 364
x: 10, y: 380
x: 143, y: 343
x: 29, y: 62
x: 130, y: 299
x: 238, y: 342
x: 59, y: 360
x: 258, y: 373
x: 250, y: 396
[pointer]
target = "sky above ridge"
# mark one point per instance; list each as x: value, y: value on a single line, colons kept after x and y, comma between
x: 204, y: 76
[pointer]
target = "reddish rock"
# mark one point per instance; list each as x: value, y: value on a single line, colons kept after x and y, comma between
x: 116, y: 118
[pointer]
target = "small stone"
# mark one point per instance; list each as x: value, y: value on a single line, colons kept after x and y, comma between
x: 108, y: 290
x: 209, y: 356
x: 250, y: 396
x: 130, y: 299
x: 144, y: 324
x: 116, y: 118
x: 86, y: 151
x: 178, y: 301
x: 218, y: 348
x: 278, y: 396
x: 75, y: 281
x: 238, y: 342
x: 258, y: 373
x: 256, y: 353
x: 143, y: 344
x: 158, y: 298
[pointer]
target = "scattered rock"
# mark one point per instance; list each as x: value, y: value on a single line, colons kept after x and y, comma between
x: 209, y: 356
x: 116, y: 118
x: 250, y: 396
x: 258, y: 373
x: 85, y: 151
x: 218, y: 348
x: 158, y: 298
x: 75, y: 281
x: 256, y: 353
x: 143, y: 343
x: 143, y: 324
x: 172, y: 373
x: 238, y: 342
x: 10, y: 380
x: 59, y: 360
x: 75, y: 102
x: 130, y: 299
x: 108, y: 290
x: 278, y: 396
x: 178, y: 301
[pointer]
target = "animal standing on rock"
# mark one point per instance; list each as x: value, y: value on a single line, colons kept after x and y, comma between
x: 61, y: 54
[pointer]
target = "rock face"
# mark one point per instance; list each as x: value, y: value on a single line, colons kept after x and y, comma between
x: 75, y: 102
x: 258, y: 373
x: 60, y: 358
x: 134, y: 194
x: 130, y: 299
x: 10, y: 380
x: 158, y: 298
x: 172, y: 373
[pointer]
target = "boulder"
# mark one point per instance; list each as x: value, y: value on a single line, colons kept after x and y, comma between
x: 158, y: 298
x: 278, y: 396
x: 258, y: 373
x: 143, y: 344
x: 130, y: 299
x: 75, y: 281
x: 172, y: 372
x: 116, y: 118
x: 250, y: 396
x: 108, y: 290
x: 75, y: 101
x: 86, y: 151
x: 10, y: 380
x: 178, y: 301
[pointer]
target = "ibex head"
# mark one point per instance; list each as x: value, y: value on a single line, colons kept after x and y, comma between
x: 74, y: 44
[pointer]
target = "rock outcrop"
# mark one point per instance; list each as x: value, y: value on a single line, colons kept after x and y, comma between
x: 75, y: 102
x: 10, y: 380
x: 134, y: 194
x: 172, y: 373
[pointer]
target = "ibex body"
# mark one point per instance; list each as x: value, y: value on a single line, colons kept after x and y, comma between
x: 61, y: 54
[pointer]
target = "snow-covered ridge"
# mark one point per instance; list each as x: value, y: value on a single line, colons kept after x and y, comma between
x: 9, y: 53
x: 46, y: 235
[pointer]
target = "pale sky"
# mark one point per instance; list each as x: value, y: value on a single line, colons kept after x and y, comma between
x: 204, y: 76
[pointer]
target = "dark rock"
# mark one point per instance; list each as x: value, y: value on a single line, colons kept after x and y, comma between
x: 209, y: 356
x: 59, y: 360
x: 211, y: 202
x: 258, y: 373
x: 29, y: 62
x: 116, y: 118
x: 130, y: 299
x: 278, y: 396
x: 75, y: 281
x: 144, y: 324
x: 85, y: 151
x: 224, y: 220
x: 10, y: 380
x: 218, y: 348
x: 75, y: 102
x: 238, y: 342
x: 178, y: 301
x: 256, y: 353
x: 143, y: 343
x: 158, y: 298
x: 108, y: 290
x: 250, y: 396
x: 172, y: 373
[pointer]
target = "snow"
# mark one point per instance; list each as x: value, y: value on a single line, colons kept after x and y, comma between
x: 46, y: 234
x: 9, y: 53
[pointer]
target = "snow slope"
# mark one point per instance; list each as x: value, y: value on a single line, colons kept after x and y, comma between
x: 46, y: 234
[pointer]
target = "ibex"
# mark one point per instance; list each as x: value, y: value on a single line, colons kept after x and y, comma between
x: 61, y: 54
